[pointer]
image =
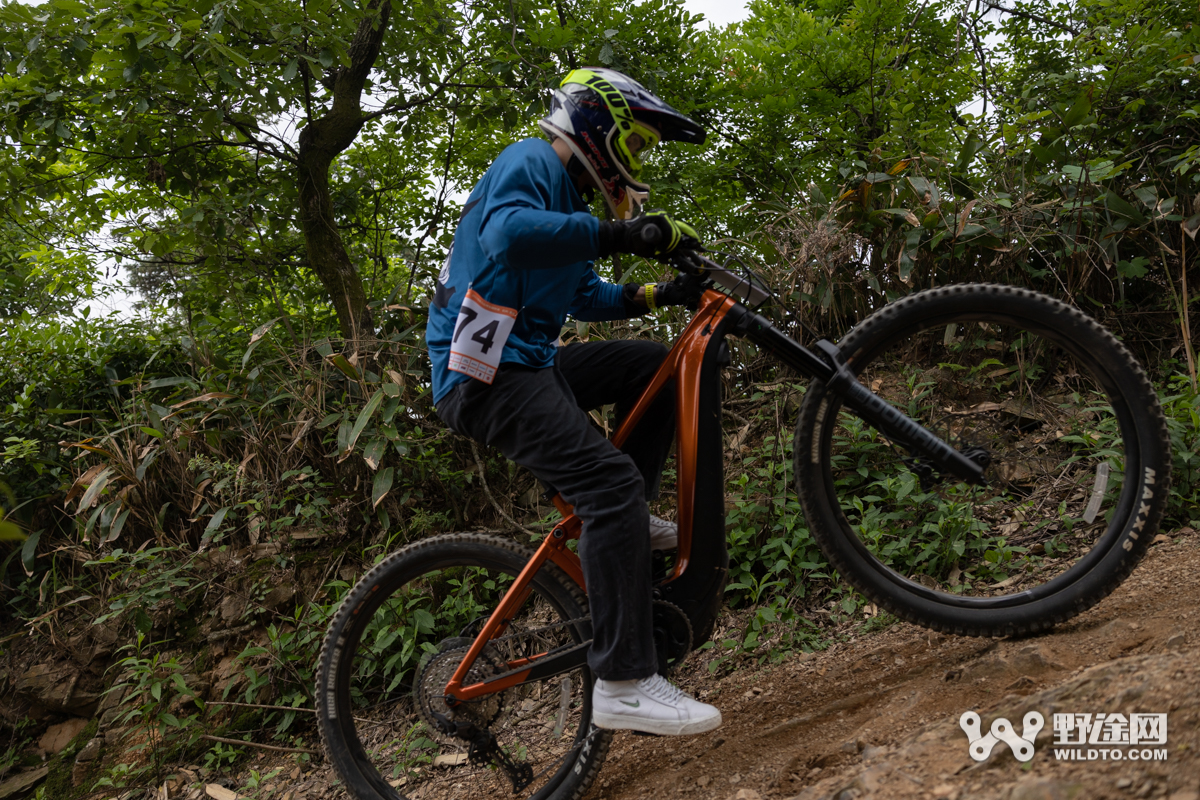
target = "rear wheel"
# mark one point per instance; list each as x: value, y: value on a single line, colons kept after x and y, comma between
x: 1069, y: 425
x: 397, y: 639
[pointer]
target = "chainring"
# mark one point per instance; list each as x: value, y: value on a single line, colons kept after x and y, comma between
x: 436, y: 670
x: 672, y: 635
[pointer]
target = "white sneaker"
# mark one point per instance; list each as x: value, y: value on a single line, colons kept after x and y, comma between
x: 664, y: 534
x: 651, y: 705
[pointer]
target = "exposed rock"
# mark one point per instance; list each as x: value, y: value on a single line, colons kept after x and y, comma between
x: 90, y: 751
x: 1034, y: 660
x: 1045, y: 789
x: 110, y: 706
x: 113, y: 697
x: 226, y: 673
x: 59, y: 736
x: 18, y: 786
x: 280, y: 596
x: 1030, y: 660
x: 231, y: 609
x: 871, y: 753
x: 56, y: 689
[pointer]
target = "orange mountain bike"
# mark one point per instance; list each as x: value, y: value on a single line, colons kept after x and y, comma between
x: 978, y: 459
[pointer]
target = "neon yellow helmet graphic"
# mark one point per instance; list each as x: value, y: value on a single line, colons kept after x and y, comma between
x: 610, y: 122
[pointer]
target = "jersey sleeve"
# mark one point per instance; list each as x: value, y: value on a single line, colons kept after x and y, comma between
x: 597, y: 300
x: 517, y: 230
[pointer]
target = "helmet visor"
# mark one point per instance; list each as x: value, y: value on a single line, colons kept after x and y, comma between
x: 630, y: 144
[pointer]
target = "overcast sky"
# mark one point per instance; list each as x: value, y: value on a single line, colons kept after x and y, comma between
x: 718, y: 12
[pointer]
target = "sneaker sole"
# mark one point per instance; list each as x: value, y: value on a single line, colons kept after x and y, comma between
x: 660, y: 727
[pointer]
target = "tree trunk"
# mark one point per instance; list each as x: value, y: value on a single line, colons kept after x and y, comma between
x: 321, y: 141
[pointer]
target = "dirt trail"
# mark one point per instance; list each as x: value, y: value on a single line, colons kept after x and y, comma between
x: 878, y: 716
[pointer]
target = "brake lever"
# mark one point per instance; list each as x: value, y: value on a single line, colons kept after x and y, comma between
x: 685, y: 261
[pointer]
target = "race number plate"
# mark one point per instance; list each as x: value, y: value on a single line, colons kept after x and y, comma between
x: 479, y: 337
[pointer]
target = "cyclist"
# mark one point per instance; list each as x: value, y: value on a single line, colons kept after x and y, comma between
x: 521, y: 261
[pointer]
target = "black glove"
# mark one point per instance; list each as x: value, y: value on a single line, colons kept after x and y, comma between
x: 653, y: 235
x: 685, y: 290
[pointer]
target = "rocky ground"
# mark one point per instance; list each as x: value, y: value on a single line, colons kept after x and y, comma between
x: 878, y: 714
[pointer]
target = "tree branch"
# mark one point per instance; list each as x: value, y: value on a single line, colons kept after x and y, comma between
x: 392, y: 108
x: 488, y: 492
x: 275, y: 748
x: 1032, y: 17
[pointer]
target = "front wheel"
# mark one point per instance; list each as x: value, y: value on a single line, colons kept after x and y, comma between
x: 397, y: 639
x: 1070, y: 428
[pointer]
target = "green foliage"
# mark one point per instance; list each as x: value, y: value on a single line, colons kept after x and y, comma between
x: 841, y: 161
x: 155, y: 710
x: 771, y: 550
x: 1181, y: 403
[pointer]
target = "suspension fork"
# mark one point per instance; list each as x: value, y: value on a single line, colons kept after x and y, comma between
x: 831, y: 368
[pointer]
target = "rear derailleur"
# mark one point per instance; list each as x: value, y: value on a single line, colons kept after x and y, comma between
x: 485, y: 750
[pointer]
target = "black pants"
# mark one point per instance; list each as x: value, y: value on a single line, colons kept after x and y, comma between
x: 536, y: 418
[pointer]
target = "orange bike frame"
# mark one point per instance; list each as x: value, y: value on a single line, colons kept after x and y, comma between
x: 683, y: 365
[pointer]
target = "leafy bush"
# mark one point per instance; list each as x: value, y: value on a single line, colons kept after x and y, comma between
x: 1181, y: 403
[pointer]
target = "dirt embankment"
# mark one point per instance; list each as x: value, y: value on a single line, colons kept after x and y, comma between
x: 878, y: 714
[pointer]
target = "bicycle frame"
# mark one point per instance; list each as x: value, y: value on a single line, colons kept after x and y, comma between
x: 697, y: 582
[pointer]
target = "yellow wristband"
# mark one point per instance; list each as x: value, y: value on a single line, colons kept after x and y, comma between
x: 650, y: 297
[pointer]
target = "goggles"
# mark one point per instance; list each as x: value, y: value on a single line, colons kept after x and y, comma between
x: 629, y: 140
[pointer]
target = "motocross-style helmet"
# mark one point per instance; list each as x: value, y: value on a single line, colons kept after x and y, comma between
x: 610, y: 121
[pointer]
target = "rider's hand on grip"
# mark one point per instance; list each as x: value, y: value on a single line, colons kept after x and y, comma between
x: 655, y: 234
x: 685, y: 290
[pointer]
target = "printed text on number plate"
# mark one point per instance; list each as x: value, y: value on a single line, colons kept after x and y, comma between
x: 479, y: 337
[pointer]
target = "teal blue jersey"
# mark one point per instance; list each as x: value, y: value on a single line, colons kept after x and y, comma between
x: 524, y: 245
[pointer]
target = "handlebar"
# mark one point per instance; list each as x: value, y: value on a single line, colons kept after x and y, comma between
x: 740, y: 287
